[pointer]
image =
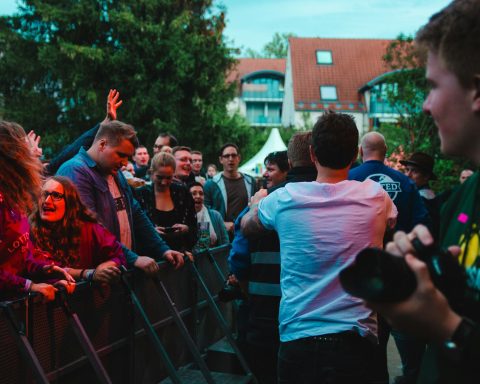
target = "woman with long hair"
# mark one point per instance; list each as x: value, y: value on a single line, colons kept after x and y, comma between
x: 67, y: 233
x: 20, y: 183
x: 169, y: 205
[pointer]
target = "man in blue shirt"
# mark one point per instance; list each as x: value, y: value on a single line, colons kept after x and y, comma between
x: 400, y: 188
x: 104, y: 190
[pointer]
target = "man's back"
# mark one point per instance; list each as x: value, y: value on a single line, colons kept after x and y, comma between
x: 337, y: 221
x: 402, y: 190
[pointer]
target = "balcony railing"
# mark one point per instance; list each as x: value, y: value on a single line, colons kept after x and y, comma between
x: 264, y: 120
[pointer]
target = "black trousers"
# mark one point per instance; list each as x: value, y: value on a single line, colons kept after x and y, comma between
x: 342, y: 358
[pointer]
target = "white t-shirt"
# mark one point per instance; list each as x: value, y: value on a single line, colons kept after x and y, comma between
x: 322, y: 227
x: 121, y: 207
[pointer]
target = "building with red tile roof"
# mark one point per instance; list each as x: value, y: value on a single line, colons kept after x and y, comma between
x: 260, y: 90
x: 336, y: 74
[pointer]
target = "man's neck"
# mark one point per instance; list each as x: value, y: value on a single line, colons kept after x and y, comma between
x: 92, y: 152
x: 373, y: 158
x: 232, y: 174
x: 331, y: 176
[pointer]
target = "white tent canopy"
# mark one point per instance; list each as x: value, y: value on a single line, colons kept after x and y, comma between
x: 254, y: 166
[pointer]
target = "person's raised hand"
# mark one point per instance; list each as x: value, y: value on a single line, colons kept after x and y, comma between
x: 112, y: 104
x: 33, y: 142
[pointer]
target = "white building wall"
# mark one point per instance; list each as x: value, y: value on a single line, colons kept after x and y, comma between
x: 288, y: 105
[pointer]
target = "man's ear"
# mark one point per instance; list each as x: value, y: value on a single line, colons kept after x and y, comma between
x: 360, y: 151
x: 476, y: 95
x: 102, y: 143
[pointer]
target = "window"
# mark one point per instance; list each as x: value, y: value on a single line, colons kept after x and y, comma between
x: 328, y: 92
x: 324, y: 57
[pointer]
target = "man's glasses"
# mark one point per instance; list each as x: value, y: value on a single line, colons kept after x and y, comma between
x: 160, y: 177
x: 156, y: 146
x: 56, y: 196
x: 230, y: 155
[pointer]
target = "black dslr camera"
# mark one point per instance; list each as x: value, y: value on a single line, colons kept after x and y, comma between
x: 378, y: 276
x: 230, y: 292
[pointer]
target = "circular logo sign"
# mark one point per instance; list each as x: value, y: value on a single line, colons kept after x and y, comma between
x: 390, y: 186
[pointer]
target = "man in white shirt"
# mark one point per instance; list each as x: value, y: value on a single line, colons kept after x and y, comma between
x: 326, y: 335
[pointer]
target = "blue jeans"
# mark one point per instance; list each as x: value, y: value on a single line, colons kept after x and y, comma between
x: 342, y: 358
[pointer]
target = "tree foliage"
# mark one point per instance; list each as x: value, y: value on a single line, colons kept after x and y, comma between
x: 415, y: 130
x: 277, y: 48
x: 168, y: 59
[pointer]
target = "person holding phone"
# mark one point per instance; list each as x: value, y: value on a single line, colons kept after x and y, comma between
x: 169, y: 205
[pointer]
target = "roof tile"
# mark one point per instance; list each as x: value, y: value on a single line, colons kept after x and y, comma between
x: 355, y: 62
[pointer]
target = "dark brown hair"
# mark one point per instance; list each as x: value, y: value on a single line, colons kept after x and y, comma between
x: 62, y: 238
x: 115, y: 132
x: 454, y: 35
x: 335, y: 140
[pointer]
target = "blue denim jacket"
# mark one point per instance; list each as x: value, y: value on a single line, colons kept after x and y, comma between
x: 93, y: 189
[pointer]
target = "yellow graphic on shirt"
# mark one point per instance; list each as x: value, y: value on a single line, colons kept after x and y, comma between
x: 472, y: 245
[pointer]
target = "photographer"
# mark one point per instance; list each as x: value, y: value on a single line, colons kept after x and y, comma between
x: 452, y: 40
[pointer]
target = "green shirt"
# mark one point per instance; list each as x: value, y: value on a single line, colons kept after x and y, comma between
x: 460, y: 218
x: 459, y: 225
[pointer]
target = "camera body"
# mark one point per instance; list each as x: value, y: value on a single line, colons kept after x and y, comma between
x: 379, y: 276
x: 230, y: 292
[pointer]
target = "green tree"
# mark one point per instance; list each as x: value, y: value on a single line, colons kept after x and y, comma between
x: 415, y: 130
x: 168, y: 59
x: 277, y: 48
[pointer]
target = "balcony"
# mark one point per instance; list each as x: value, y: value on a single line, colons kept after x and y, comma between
x: 264, y: 121
x: 262, y: 92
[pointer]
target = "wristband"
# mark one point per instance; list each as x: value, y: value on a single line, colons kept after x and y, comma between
x: 82, y: 274
x: 89, y: 274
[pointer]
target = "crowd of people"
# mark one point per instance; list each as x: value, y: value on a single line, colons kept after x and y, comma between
x: 103, y: 203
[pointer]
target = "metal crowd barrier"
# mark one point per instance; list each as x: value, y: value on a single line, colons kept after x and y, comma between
x: 139, y: 331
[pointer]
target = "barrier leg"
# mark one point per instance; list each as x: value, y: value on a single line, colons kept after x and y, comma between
x: 184, y: 331
x: 84, y: 340
x: 24, y: 345
x: 222, y: 323
x: 152, y: 335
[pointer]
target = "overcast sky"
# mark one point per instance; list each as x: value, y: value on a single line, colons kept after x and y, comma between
x: 252, y: 23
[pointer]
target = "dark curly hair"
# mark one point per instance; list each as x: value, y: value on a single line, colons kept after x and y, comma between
x: 62, y: 238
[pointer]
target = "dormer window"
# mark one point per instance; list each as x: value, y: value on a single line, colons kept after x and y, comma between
x: 324, y: 57
x: 328, y: 92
